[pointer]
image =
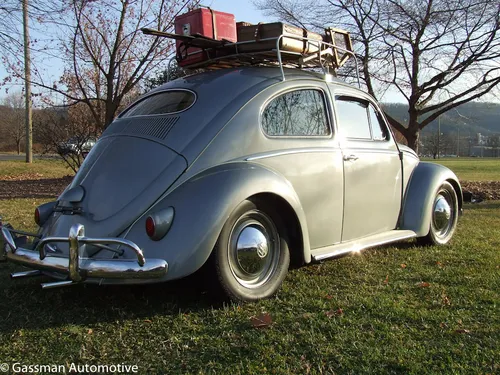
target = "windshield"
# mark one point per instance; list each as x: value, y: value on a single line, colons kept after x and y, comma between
x: 166, y: 102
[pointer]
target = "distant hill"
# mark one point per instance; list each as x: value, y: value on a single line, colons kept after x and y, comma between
x: 475, y: 118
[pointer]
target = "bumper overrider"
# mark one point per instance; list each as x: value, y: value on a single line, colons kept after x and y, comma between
x: 76, y: 267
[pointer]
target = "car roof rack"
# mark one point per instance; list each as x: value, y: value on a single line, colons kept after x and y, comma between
x: 219, y: 54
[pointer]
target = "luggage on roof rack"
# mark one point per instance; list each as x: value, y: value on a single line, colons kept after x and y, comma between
x: 266, y: 44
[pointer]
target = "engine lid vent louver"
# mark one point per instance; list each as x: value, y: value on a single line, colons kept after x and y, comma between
x: 156, y: 127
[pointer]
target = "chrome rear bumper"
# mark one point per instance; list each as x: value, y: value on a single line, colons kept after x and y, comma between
x: 77, y: 267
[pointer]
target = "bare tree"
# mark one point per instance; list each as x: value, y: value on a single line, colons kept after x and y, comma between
x: 438, y: 54
x: 65, y: 131
x: 12, y: 120
x: 11, y: 33
x: 107, y: 57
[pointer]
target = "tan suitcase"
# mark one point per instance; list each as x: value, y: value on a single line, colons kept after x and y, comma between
x: 292, y: 40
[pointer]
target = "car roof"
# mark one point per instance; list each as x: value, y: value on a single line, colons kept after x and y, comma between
x: 245, y: 77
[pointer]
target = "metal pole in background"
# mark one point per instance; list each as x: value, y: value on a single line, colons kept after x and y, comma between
x: 27, y: 85
x: 439, y: 135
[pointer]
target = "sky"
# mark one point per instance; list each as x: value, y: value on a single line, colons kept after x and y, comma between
x: 242, y: 10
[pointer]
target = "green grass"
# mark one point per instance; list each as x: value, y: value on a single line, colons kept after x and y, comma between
x: 399, y: 309
x: 472, y: 169
x: 361, y: 314
x: 40, y: 168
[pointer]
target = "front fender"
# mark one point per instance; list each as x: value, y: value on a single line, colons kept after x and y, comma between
x: 202, y: 205
x: 420, y: 193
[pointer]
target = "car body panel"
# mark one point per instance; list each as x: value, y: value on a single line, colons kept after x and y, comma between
x: 204, y: 161
x: 201, y: 211
x: 425, y: 181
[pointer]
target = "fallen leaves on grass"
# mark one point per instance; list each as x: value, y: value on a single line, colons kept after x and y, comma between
x: 33, y: 188
x: 445, y: 300
x: 23, y: 176
x: 482, y: 189
x: 403, y: 266
x: 263, y: 320
x: 337, y: 312
x: 423, y: 284
x: 462, y: 331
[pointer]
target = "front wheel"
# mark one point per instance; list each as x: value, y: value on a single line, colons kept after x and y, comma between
x: 251, y: 255
x: 444, y: 216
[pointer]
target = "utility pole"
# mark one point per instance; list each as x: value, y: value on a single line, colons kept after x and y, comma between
x: 27, y: 85
x: 439, y: 135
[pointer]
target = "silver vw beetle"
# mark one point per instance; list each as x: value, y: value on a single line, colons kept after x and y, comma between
x: 243, y: 172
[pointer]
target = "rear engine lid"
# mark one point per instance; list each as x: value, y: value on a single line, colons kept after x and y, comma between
x: 122, y: 177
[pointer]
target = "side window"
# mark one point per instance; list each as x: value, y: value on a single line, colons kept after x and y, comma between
x: 379, y: 129
x: 296, y: 113
x: 353, y: 117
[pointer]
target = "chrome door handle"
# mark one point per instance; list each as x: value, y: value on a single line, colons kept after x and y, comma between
x: 350, y: 157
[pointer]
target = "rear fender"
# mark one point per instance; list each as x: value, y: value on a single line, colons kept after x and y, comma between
x: 202, y: 205
x: 419, y: 197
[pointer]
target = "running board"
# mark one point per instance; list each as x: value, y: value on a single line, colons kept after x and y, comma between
x: 361, y: 244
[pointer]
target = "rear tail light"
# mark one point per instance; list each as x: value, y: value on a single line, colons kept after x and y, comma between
x: 43, y: 212
x: 37, y: 216
x: 150, y: 226
x: 159, y: 223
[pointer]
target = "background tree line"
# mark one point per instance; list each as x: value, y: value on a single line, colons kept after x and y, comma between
x: 438, y: 54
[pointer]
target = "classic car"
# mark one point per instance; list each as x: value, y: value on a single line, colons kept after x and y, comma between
x: 242, y: 172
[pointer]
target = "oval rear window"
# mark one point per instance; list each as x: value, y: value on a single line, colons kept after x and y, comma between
x: 166, y: 102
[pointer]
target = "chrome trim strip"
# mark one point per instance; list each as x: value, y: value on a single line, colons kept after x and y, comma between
x: 92, y: 268
x: 57, y: 284
x: 94, y: 241
x: 40, y: 247
x: 76, y: 231
x: 36, y: 235
x: 291, y: 152
x: 18, y: 275
x: 7, y: 236
x: 355, y: 247
x: 79, y: 268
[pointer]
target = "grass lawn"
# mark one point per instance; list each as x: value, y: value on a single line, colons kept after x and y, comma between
x: 472, y: 169
x: 397, y: 309
x: 40, y: 168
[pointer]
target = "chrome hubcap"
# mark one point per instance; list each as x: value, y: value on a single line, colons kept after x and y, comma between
x: 443, y: 215
x: 253, y: 249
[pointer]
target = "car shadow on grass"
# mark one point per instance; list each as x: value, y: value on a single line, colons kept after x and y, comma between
x: 26, y: 306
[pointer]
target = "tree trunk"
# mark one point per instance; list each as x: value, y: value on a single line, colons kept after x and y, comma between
x: 412, y: 139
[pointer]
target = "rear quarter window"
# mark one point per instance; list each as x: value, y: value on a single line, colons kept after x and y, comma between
x: 299, y: 113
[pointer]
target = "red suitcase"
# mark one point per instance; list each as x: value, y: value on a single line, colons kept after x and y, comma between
x: 205, y: 22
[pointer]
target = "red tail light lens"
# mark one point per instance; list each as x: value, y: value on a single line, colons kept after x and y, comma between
x: 150, y: 226
x: 37, y: 216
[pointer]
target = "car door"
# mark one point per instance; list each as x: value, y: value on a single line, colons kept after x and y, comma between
x: 299, y: 144
x: 372, y: 168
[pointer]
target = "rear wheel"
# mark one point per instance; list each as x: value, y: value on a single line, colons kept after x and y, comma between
x: 251, y: 255
x: 444, y: 216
